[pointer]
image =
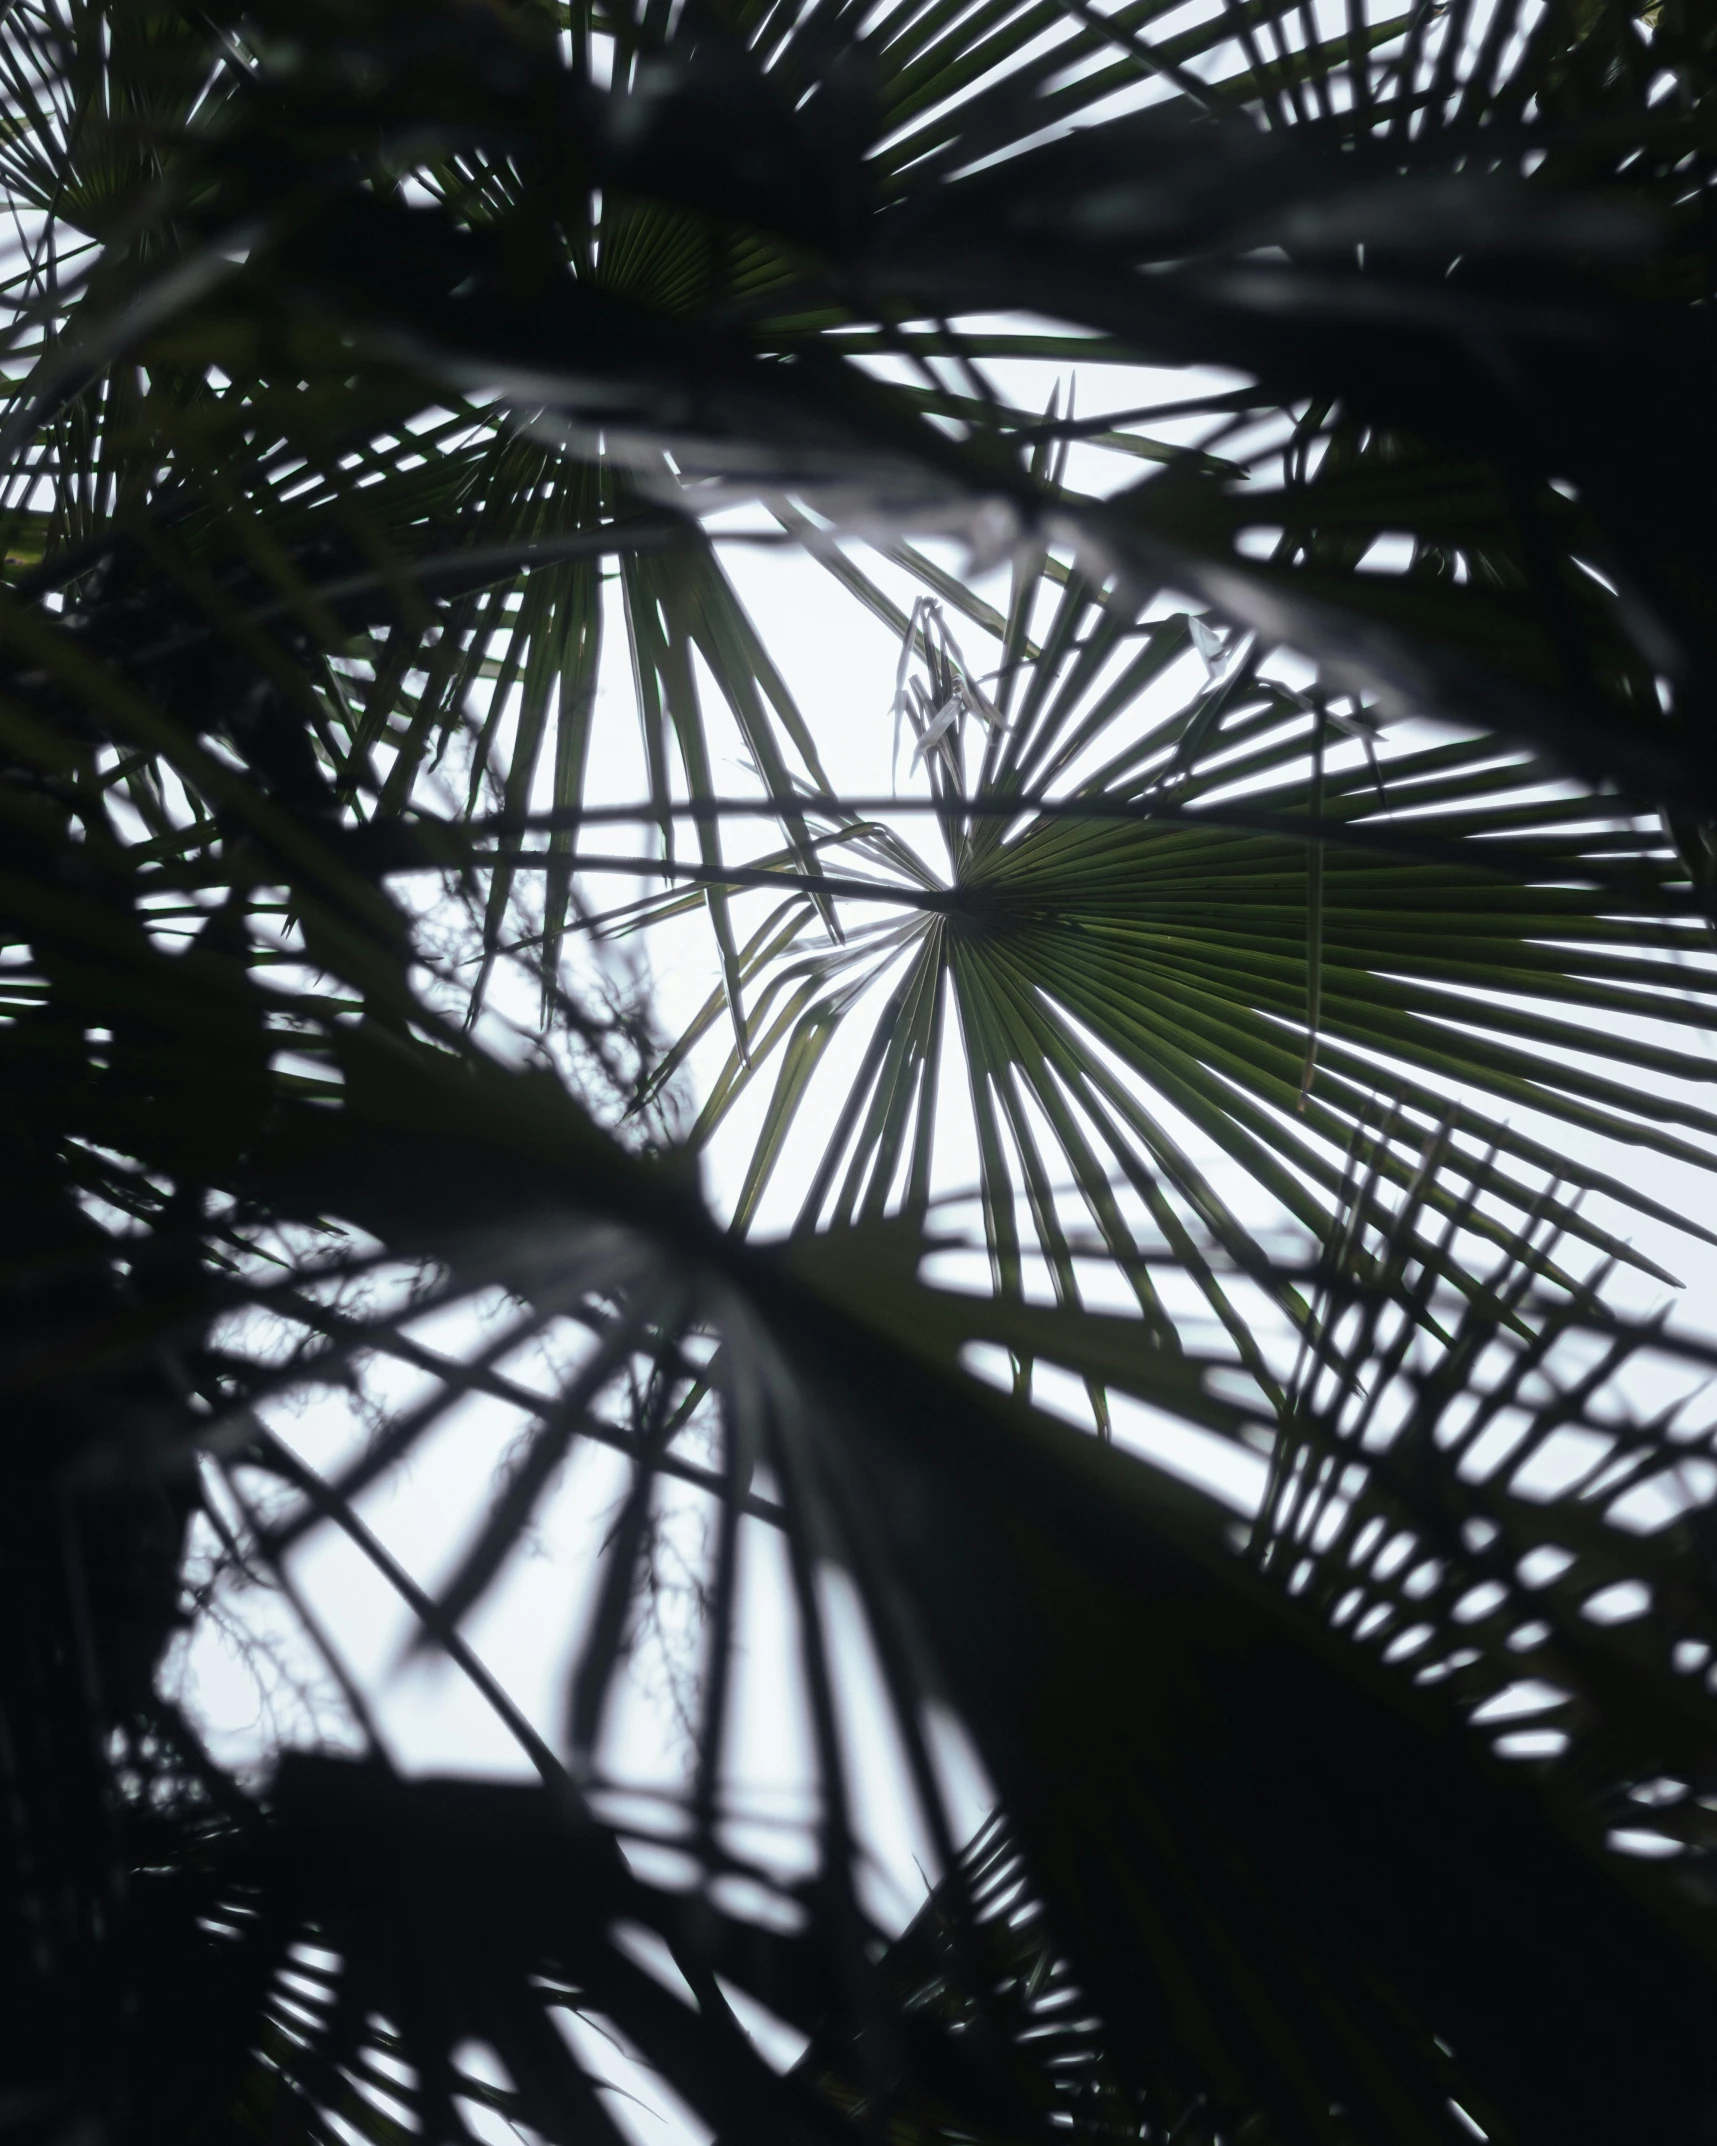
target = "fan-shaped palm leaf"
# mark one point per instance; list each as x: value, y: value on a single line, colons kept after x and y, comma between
x: 1123, y: 911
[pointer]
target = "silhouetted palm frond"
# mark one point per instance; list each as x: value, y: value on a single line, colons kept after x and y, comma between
x: 345, y: 344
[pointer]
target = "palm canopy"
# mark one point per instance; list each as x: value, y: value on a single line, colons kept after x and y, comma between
x: 733, y: 321
x: 349, y: 344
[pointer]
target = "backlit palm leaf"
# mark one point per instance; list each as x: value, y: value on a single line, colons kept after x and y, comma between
x: 308, y: 487
x: 1154, y: 894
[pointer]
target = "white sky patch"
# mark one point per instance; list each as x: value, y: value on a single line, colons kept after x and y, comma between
x: 640, y: 2100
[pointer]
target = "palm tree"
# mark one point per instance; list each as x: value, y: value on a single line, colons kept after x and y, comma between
x: 352, y: 348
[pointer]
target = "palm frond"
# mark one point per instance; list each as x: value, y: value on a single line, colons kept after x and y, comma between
x: 346, y: 344
x: 1109, y: 875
